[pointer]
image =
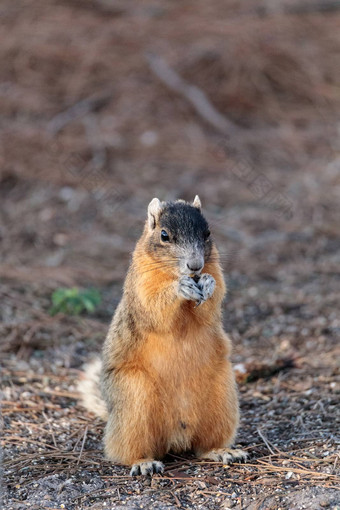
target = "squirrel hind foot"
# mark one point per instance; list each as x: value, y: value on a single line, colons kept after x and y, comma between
x: 225, y: 455
x: 147, y: 467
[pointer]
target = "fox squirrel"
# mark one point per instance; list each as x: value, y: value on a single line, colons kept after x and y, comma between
x: 165, y: 381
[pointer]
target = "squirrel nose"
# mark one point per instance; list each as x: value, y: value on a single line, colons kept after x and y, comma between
x: 195, y: 266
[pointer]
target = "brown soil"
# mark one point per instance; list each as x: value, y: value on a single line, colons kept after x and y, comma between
x: 89, y: 135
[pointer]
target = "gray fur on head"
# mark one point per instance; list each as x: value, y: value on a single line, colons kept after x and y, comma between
x: 154, y: 210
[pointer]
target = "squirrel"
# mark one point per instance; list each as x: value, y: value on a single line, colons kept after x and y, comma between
x: 165, y: 382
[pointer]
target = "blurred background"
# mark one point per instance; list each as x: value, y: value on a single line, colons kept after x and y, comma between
x: 106, y: 104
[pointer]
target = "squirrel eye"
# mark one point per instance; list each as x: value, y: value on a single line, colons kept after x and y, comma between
x: 165, y: 236
x: 207, y: 235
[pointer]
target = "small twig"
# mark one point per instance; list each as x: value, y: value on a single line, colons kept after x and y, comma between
x: 97, y: 148
x: 78, y: 110
x: 265, y: 440
x: 18, y: 439
x: 323, y: 6
x: 31, y: 409
x: 177, y: 501
x: 50, y: 427
x: 304, y: 471
x: 57, y: 393
x: 193, y: 94
x: 82, y: 445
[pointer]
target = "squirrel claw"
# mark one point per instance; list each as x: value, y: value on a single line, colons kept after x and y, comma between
x: 147, y: 467
x: 189, y: 290
x: 207, y: 285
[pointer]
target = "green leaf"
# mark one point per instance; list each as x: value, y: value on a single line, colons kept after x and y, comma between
x: 74, y: 301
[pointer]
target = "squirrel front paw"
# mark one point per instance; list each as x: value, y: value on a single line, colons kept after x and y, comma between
x: 190, y: 290
x: 207, y: 285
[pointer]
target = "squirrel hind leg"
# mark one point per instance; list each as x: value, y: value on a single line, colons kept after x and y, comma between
x: 146, y: 467
x: 225, y: 455
x: 89, y: 389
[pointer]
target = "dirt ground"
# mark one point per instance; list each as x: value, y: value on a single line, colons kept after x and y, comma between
x: 89, y: 134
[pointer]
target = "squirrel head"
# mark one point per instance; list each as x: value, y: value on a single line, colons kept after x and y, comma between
x: 178, y: 236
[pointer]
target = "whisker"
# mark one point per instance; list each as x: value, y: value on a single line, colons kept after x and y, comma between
x: 160, y: 262
x: 159, y: 268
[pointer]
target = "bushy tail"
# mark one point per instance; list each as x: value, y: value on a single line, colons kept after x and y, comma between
x: 89, y: 389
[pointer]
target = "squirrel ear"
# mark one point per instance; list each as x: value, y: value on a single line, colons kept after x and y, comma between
x: 197, y: 203
x: 154, y: 210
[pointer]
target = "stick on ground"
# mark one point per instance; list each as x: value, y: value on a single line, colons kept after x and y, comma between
x: 193, y: 94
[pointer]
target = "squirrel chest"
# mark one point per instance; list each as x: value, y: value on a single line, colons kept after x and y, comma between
x: 182, y: 372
